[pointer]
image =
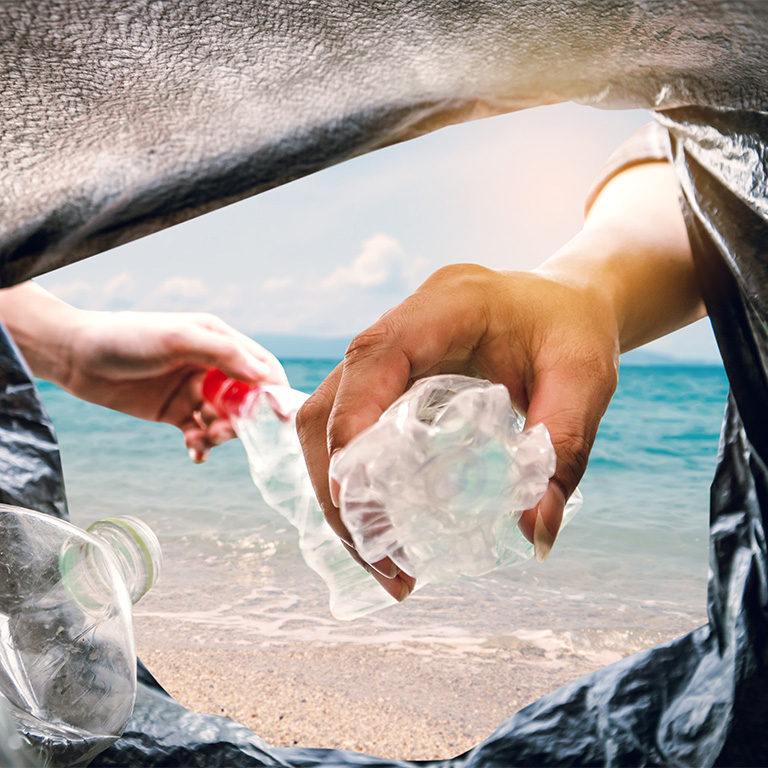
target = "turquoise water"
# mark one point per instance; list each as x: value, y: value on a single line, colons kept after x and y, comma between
x: 631, y: 564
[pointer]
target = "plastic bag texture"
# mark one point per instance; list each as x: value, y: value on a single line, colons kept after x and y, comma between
x: 93, y: 156
x: 204, y: 103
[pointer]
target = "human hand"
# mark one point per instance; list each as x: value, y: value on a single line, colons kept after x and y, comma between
x: 151, y: 365
x: 552, y: 336
x: 553, y: 344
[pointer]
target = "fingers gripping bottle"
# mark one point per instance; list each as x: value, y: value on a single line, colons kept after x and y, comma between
x: 67, y: 651
x: 264, y: 418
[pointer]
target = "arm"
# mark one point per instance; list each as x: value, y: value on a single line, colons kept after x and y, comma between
x: 634, y: 248
x: 552, y: 336
x: 147, y: 364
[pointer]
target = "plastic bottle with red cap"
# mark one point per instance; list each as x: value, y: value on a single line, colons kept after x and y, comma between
x: 264, y: 418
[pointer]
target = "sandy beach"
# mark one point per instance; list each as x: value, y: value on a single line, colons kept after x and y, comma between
x: 401, y: 700
x: 394, y: 703
x: 236, y: 633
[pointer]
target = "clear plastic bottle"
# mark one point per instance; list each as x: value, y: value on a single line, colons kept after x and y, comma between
x: 14, y: 753
x: 67, y: 652
x: 438, y: 484
x: 264, y: 418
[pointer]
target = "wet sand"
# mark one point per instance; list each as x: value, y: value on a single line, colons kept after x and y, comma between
x: 429, y: 679
x: 401, y: 700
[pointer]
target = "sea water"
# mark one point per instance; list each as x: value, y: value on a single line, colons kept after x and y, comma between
x: 629, y: 570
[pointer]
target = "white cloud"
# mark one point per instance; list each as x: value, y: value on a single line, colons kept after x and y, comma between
x: 343, y: 302
x: 181, y: 288
x: 78, y: 293
x: 331, y: 299
x: 381, y: 260
x: 229, y: 298
x: 117, y: 293
x: 276, y: 284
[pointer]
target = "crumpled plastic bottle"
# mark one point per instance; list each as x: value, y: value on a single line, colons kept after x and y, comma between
x: 438, y: 484
x: 67, y: 651
x: 264, y: 418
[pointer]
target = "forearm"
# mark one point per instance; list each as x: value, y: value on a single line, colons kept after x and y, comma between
x: 42, y: 326
x: 634, y: 256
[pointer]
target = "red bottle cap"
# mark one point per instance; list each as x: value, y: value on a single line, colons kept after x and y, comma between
x: 226, y: 395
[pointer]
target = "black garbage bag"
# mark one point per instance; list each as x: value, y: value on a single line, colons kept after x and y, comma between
x: 122, y: 117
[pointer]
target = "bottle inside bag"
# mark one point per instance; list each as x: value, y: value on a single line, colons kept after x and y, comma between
x: 67, y: 652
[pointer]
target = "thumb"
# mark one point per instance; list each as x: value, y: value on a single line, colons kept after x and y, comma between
x: 570, y: 402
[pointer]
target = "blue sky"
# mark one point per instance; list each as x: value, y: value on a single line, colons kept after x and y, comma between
x: 326, y: 255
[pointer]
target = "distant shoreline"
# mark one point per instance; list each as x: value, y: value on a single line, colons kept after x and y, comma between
x: 331, y: 349
x: 631, y: 363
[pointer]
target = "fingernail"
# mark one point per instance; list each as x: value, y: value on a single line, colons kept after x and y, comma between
x: 333, y: 486
x: 404, y: 592
x: 197, y: 456
x: 386, y: 568
x: 334, y: 489
x: 551, y: 509
x: 542, y: 540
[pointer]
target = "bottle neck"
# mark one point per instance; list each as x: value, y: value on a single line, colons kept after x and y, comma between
x: 233, y: 398
x: 226, y: 395
x: 136, y: 549
x: 124, y: 543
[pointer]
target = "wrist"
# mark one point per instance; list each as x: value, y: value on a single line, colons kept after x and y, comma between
x: 586, y: 264
x: 49, y: 351
x: 646, y: 281
x: 67, y: 356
